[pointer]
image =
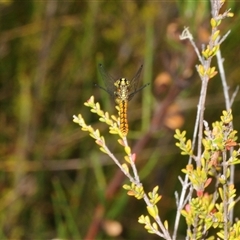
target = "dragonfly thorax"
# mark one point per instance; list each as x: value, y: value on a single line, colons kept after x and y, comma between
x: 122, y: 89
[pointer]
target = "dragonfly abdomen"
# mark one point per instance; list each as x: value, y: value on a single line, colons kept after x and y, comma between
x: 123, y: 116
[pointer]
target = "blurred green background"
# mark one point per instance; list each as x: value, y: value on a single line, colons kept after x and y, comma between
x: 53, y: 177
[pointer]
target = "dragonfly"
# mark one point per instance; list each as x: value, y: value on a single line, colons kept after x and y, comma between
x: 122, y: 90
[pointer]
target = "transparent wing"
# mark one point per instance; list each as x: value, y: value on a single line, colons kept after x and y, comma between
x: 134, y: 84
x: 134, y: 81
x: 108, y: 80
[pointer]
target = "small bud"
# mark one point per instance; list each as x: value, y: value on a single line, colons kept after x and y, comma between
x: 230, y: 14
x: 213, y: 22
x: 125, y: 167
x: 127, y: 150
x: 152, y: 211
x: 166, y: 224
x: 215, y: 35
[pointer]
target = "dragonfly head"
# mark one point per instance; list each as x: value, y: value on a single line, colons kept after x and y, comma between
x: 122, y: 83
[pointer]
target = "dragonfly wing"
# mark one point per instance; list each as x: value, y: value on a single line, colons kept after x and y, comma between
x: 108, y: 80
x: 134, y: 84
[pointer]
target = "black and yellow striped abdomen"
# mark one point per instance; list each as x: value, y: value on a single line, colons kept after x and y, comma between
x: 123, y: 116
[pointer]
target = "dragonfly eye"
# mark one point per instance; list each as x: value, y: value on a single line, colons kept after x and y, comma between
x: 117, y: 84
